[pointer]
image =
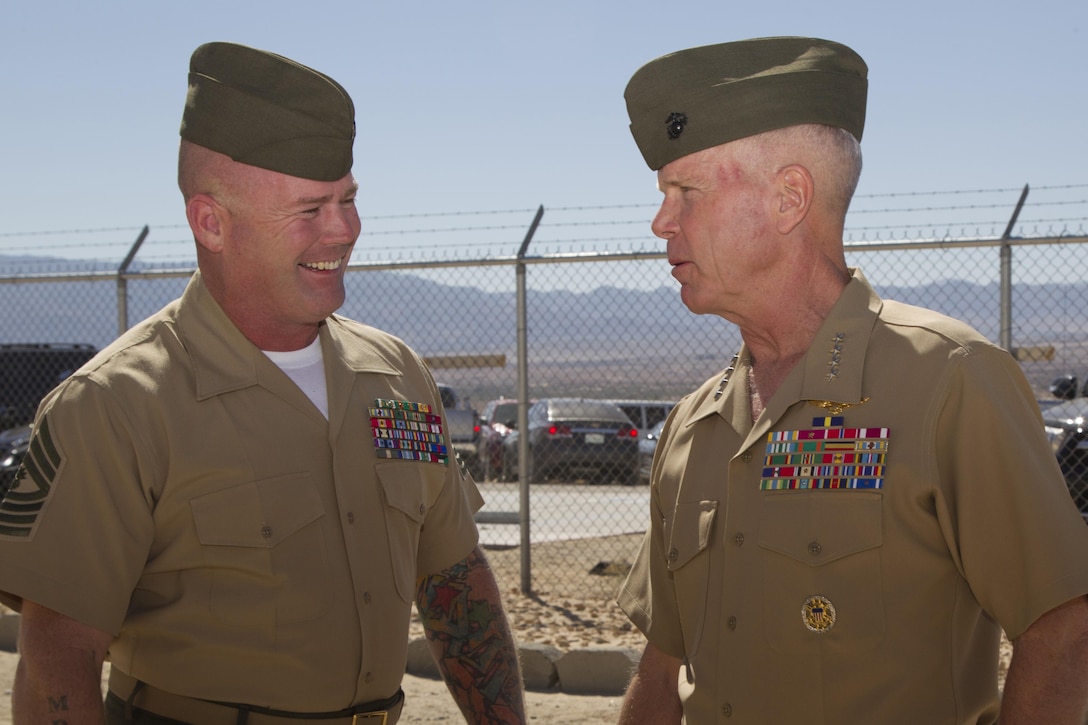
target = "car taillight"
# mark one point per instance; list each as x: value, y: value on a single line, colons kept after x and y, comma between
x: 627, y: 432
x: 560, y: 431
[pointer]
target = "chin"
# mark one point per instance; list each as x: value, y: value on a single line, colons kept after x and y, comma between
x: 691, y: 302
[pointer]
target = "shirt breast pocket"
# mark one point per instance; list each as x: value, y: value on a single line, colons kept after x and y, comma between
x: 409, y: 490
x: 265, y: 546
x: 688, y: 535
x: 822, y: 584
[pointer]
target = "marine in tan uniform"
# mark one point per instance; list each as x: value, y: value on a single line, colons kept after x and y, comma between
x: 240, y: 499
x: 845, y: 519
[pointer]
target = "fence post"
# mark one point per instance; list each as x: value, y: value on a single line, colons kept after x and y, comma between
x: 122, y: 282
x: 523, y: 408
x: 1006, y: 276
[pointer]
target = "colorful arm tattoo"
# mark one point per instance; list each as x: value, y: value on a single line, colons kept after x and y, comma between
x: 471, y: 641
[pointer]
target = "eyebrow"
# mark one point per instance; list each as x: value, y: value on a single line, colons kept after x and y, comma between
x: 676, y: 182
x: 317, y: 200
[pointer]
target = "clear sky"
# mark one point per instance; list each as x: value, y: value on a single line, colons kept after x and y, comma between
x: 469, y: 106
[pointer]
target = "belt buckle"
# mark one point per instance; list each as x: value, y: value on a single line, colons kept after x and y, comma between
x: 363, y: 718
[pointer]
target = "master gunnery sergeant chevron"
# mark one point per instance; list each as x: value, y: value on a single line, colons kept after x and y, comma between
x: 843, y: 520
x: 239, y: 500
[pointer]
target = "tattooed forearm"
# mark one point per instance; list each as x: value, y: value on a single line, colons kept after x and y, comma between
x: 471, y: 640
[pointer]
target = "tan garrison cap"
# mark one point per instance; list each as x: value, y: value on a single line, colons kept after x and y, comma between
x: 266, y: 110
x: 702, y: 97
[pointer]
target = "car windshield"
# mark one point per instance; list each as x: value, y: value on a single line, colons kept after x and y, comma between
x: 505, y: 413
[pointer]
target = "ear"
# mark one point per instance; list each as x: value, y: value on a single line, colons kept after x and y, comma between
x: 207, y: 219
x: 795, y: 192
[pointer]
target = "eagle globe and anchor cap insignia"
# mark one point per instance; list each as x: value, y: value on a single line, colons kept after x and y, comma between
x: 818, y: 614
x: 674, y: 125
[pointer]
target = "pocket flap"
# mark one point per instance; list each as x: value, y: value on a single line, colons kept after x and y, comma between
x: 690, y: 534
x: 405, y: 488
x: 817, y: 527
x: 258, y: 514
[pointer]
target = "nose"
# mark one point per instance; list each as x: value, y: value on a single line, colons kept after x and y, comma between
x: 664, y: 223
x: 343, y: 224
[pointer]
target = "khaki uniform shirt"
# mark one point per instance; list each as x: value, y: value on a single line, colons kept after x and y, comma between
x: 185, y: 495
x: 863, y: 574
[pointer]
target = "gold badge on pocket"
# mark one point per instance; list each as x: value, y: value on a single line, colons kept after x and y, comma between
x: 818, y: 614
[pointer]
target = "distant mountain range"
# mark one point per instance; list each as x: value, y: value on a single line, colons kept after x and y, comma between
x: 605, y: 333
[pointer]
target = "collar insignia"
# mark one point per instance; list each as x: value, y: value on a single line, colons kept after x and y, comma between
x: 726, y: 374
x: 836, y: 356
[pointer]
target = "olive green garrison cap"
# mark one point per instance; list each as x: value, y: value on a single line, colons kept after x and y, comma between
x: 265, y: 110
x: 702, y: 97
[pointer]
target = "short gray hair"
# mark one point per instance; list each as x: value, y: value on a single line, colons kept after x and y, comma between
x: 831, y: 154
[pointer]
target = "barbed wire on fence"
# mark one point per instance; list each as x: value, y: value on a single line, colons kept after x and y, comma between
x: 1056, y: 210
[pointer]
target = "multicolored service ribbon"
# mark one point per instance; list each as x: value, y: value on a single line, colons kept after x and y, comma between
x: 408, y: 431
x: 828, y: 455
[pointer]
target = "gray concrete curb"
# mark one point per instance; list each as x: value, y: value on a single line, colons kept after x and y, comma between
x: 589, y: 671
x: 596, y: 670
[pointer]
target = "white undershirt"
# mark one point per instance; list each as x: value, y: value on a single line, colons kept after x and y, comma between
x: 306, y: 367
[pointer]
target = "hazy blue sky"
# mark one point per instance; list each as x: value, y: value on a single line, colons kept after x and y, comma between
x: 507, y: 105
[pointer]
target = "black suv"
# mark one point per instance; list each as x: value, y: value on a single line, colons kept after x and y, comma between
x: 29, y: 371
x: 1067, y: 428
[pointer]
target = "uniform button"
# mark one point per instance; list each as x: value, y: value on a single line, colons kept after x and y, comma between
x: 727, y: 710
x: 674, y: 555
x: 739, y: 539
x: 266, y: 531
x: 815, y: 548
x: 747, y: 456
x: 351, y: 517
x: 369, y: 677
x: 422, y: 509
x: 366, y: 597
x: 732, y: 623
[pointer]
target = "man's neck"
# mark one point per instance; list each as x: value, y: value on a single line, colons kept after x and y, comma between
x: 782, y: 341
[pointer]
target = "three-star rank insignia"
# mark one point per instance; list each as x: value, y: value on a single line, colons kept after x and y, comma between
x: 818, y: 614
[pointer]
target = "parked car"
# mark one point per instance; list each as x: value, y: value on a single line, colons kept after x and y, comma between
x: 14, y: 443
x: 572, y: 437
x: 647, y: 446
x: 645, y: 414
x: 497, y: 421
x: 28, y: 371
x: 1067, y: 428
x: 463, y: 425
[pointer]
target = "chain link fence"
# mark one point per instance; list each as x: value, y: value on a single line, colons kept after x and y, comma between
x: 590, y: 314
